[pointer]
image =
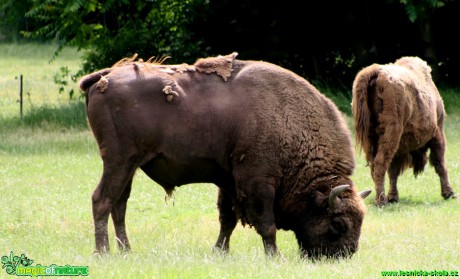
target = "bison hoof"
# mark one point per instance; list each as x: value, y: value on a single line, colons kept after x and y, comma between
x: 450, y: 195
x: 381, y: 201
x: 101, y: 253
x: 220, y: 250
x: 393, y: 199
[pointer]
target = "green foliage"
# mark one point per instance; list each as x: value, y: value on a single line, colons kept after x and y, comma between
x: 12, y: 18
x: 108, y: 31
x: 61, y: 78
x: 416, y: 8
x: 111, y: 30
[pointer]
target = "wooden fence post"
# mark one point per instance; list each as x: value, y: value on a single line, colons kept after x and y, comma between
x: 20, y: 96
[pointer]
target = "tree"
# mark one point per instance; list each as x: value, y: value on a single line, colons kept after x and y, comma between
x: 326, y: 41
x: 110, y: 30
x: 421, y: 11
x: 12, y: 18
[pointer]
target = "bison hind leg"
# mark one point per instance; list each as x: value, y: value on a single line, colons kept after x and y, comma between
x: 437, y: 150
x: 118, y: 214
x: 110, y: 197
x: 398, y: 165
x: 395, y: 169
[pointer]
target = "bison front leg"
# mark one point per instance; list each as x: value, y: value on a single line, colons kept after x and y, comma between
x: 388, y: 144
x: 378, y: 176
x: 228, y: 221
x: 393, y: 173
x: 261, y: 215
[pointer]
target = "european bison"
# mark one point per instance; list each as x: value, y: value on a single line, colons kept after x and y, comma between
x: 279, y: 151
x: 399, y: 115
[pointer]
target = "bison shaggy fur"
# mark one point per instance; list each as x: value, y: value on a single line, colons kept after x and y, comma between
x: 279, y: 150
x: 399, y: 115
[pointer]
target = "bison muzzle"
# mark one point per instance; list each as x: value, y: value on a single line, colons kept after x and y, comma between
x: 278, y: 150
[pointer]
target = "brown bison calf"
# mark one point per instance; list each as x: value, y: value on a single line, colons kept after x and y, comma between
x: 399, y: 115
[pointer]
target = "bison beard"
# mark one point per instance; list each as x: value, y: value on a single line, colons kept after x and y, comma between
x: 279, y: 151
x: 399, y: 115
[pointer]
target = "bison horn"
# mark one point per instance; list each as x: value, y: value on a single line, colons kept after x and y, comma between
x: 334, y: 195
x: 364, y: 194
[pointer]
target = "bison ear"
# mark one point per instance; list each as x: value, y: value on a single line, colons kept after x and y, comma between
x: 365, y: 193
x: 334, y: 201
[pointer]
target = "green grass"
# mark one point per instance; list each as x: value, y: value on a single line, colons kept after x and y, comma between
x: 49, y: 166
x: 32, y: 61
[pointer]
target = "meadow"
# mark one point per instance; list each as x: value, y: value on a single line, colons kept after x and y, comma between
x: 49, y: 166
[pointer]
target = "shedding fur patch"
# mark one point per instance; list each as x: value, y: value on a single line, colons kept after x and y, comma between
x: 221, y: 65
x: 170, y: 93
x: 102, y: 84
x: 171, y: 69
x: 154, y: 63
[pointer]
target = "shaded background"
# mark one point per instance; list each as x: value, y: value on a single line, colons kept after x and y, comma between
x: 324, y: 41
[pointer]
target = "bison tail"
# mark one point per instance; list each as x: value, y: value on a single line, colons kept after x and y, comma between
x: 362, y: 102
x: 88, y: 80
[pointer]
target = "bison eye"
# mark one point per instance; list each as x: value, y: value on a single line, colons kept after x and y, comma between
x: 337, y: 226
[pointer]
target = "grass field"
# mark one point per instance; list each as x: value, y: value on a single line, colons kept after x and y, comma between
x: 49, y: 166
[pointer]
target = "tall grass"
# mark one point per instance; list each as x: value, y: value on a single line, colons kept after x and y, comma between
x: 34, y: 62
x: 49, y: 166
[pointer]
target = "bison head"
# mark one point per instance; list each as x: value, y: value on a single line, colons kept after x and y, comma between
x: 333, y: 227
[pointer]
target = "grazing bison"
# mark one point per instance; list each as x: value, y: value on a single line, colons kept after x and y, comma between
x: 399, y: 115
x: 278, y: 150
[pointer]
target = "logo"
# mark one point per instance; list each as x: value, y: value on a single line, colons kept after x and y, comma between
x: 22, y: 266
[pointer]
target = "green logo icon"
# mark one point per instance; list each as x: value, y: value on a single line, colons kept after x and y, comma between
x: 22, y: 266
x: 12, y: 262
